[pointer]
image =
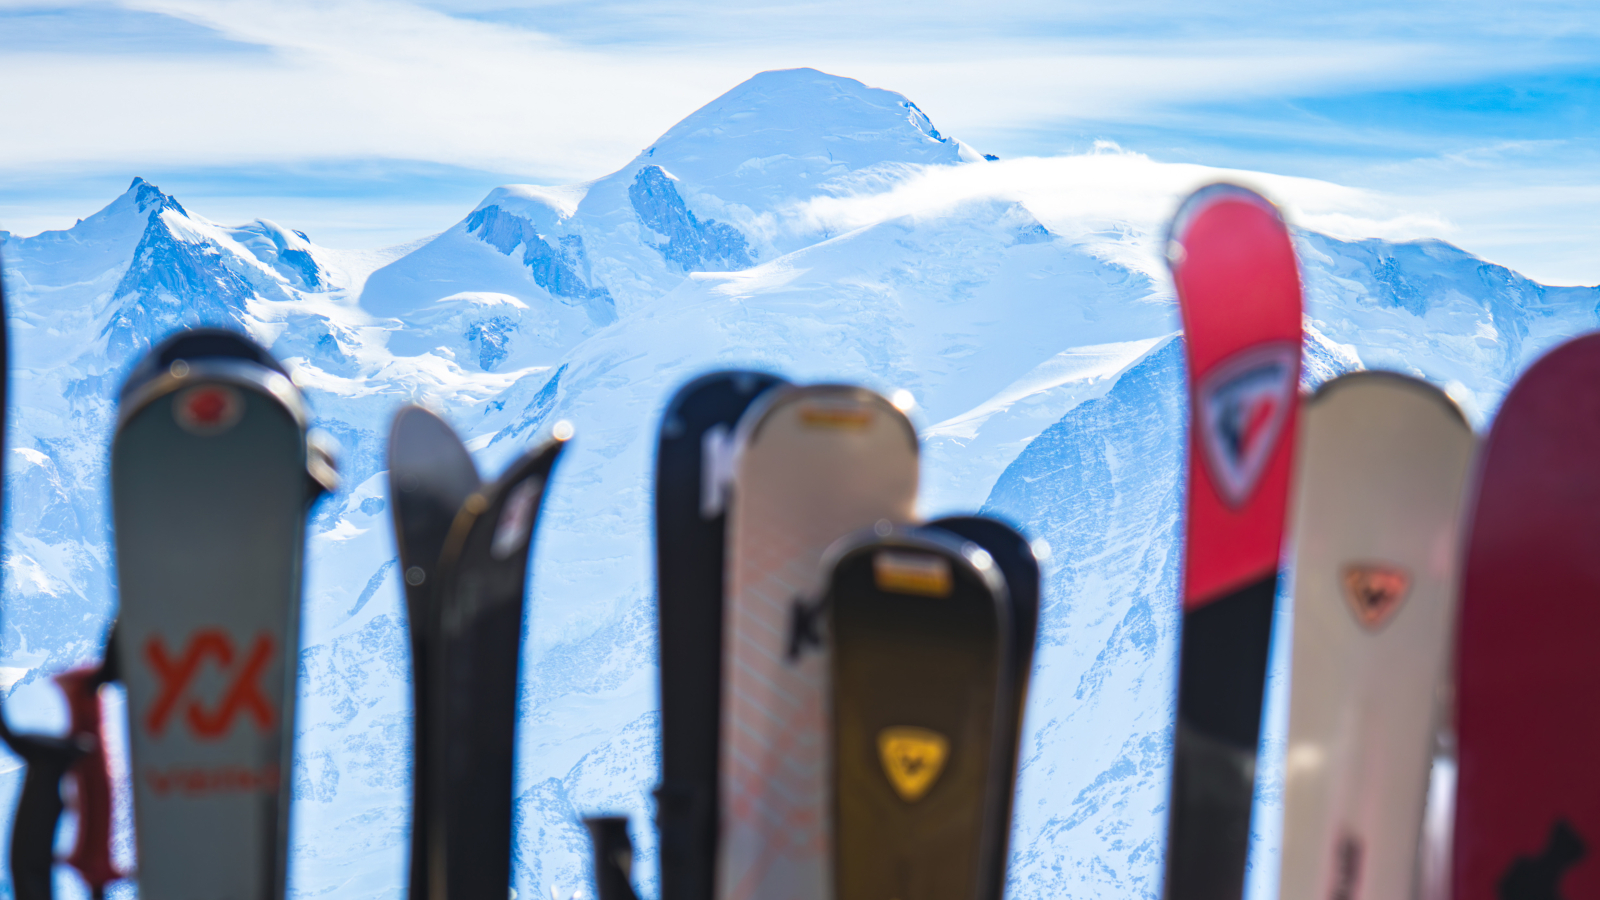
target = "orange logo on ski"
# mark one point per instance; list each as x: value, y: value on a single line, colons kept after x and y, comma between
x: 1374, y: 591
x: 849, y: 416
x: 911, y: 573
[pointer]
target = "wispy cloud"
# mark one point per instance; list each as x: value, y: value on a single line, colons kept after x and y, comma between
x: 1095, y: 197
x: 393, y: 79
x: 561, y: 90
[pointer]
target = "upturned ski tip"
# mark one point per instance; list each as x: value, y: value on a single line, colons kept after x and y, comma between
x: 1202, y: 200
x: 613, y: 857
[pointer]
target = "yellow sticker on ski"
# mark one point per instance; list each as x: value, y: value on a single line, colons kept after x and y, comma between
x: 913, y: 758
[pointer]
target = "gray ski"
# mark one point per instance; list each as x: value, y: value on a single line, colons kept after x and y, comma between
x: 212, y: 475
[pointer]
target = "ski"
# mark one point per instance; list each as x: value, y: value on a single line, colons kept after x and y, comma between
x: 212, y: 476
x: 920, y: 637
x: 1014, y: 556
x: 692, y: 456
x: 1527, y: 821
x: 476, y: 637
x: 812, y: 464
x: 613, y: 857
x: 431, y: 475
x: 1239, y: 291
x: 1381, y: 471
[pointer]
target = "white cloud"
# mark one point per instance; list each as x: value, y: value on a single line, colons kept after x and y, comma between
x: 558, y: 91
x: 1092, y: 197
x: 393, y: 79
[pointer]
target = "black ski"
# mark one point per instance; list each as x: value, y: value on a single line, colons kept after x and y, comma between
x: 613, y: 857
x: 212, y: 476
x: 921, y: 634
x: 481, y: 584
x: 691, y: 515
x: 430, y: 476
x: 1014, y: 556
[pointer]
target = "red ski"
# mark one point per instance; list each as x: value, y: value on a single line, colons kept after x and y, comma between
x: 1239, y: 289
x: 1528, y: 794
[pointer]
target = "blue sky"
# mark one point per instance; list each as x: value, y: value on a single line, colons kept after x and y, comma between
x: 373, y: 122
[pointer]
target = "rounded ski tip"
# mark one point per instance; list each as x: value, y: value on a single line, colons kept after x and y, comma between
x: 978, y: 556
x: 562, y: 430
x: 903, y: 400
x: 1202, y: 200
x: 322, y: 460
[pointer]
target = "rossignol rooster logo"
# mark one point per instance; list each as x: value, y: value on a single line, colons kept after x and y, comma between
x: 1374, y: 591
x: 913, y: 758
x: 1539, y: 877
x: 1242, y: 404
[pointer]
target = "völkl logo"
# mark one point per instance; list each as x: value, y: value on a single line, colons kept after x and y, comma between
x: 1241, y: 405
x: 242, y: 696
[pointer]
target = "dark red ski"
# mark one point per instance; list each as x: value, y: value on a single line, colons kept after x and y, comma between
x: 1528, y: 794
x: 1239, y: 290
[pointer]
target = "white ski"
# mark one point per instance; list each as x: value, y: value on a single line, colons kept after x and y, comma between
x: 1383, y: 464
x: 812, y: 465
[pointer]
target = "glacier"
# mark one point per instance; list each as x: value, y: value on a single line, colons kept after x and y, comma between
x: 802, y: 223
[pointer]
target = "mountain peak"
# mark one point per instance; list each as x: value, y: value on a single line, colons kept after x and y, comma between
x: 147, y: 198
x: 803, y: 120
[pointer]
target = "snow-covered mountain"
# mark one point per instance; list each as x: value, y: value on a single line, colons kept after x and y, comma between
x: 801, y: 223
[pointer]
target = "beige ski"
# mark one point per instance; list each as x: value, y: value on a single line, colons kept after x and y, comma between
x: 810, y: 465
x: 1383, y: 464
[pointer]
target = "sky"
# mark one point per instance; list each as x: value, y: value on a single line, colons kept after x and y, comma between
x: 374, y: 122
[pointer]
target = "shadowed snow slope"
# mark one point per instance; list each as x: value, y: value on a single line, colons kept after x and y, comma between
x: 801, y: 223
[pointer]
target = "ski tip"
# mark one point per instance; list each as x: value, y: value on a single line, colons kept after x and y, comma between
x: 745, y: 382
x: 409, y: 411
x: 322, y: 462
x: 199, y: 343
x: 613, y: 857
x: 1363, y: 379
x: 1203, y: 200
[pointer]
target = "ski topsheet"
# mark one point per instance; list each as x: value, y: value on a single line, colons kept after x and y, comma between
x: 1015, y: 558
x: 430, y: 476
x: 1528, y: 796
x: 1239, y: 290
x: 1382, y: 468
x: 692, y: 456
x: 482, y: 582
x: 812, y: 464
x: 211, y: 478
x: 920, y: 636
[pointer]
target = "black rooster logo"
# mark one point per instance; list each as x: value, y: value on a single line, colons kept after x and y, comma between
x: 1539, y: 877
